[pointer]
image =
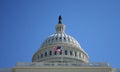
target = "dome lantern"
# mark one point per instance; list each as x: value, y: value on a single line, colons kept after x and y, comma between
x: 60, y: 28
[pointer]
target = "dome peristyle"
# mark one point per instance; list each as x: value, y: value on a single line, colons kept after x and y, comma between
x: 60, y: 38
x: 60, y: 47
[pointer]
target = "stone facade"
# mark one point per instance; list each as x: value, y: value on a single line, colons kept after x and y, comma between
x: 62, y: 67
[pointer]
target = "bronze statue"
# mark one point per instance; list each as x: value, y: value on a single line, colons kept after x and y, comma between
x: 60, y: 20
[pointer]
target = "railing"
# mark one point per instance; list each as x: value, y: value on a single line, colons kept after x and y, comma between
x: 63, y: 64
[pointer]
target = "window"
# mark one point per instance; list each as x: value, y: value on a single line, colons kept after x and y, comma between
x: 55, y: 53
x: 56, y: 38
x: 75, y: 53
x: 60, y: 38
x: 41, y: 55
x: 38, y: 56
x: 68, y: 39
x: 65, y: 52
x: 71, y: 53
x: 49, y: 40
x: 50, y: 53
x: 45, y: 54
x: 60, y: 52
x: 46, y: 41
x: 60, y: 29
x: 79, y: 55
x: 52, y: 39
x: 83, y: 56
x: 64, y: 39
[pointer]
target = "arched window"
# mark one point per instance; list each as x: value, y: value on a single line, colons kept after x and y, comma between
x: 71, y: 53
x: 65, y: 52
x: 50, y: 53
x: 41, y: 55
x: 45, y: 54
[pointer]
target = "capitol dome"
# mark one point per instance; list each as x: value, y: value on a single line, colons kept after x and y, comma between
x: 60, y: 47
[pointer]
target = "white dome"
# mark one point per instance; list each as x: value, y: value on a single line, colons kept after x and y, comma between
x: 71, y: 50
x: 60, y: 38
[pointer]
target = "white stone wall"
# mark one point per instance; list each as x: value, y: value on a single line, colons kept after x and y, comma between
x: 62, y: 69
x: 6, y: 70
x: 80, y: 55
x: 116, y: 70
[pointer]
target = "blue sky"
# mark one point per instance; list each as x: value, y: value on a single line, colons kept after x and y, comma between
x: 25, y: 24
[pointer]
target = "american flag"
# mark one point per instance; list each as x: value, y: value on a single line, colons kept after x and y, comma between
x: 57, y: 48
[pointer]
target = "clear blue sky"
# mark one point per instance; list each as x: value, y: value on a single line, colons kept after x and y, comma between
x: 25, y: 24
